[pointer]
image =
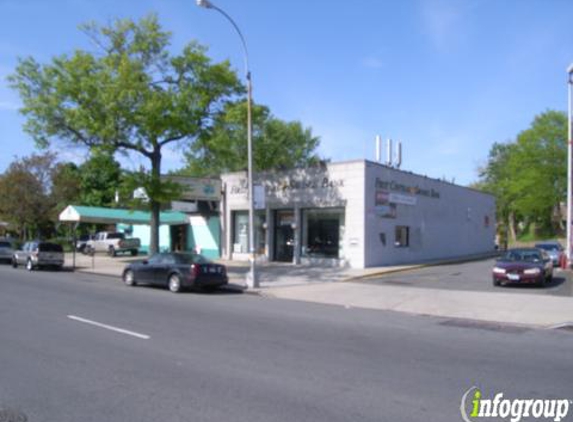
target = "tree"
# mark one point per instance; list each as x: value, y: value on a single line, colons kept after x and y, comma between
x: 131, y: 96
x: 100, y: 177
x: 25, y: 191
x: 495, y: 178
x: 529, y: 176
x: 66, y: 185
x: 538, y: 164
x: 276, y: 144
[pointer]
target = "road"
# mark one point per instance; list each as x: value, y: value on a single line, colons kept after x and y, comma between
x: 239, y: 357
x: 472, y: 276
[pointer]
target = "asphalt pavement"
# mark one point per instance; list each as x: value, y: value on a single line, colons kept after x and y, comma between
x: 470, y: 276
x: 81, y: 347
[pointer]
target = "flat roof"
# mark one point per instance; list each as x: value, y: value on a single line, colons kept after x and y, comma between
x: 101, y: 215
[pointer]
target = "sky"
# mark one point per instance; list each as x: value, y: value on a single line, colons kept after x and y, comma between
x: 447, y: 78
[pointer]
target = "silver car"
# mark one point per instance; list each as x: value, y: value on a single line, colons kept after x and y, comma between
x: 39, y: 254
x: 6, y: 251
x: 553, y: 249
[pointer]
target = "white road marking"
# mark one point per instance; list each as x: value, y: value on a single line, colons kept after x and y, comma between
x: 109, y: 327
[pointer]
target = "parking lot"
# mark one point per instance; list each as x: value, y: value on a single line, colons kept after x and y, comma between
x: 471, y: 276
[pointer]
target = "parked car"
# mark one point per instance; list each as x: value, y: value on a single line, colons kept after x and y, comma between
x: 523, y: 266
x: 82, y: 242
x: 6, y: 251
x: 113, y: 243
x: 176, y: 271
x: 38, y: 254
x: 553, y: 249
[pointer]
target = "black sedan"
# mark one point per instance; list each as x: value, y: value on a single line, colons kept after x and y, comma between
x: 176, y: 271
x: 523, y: 266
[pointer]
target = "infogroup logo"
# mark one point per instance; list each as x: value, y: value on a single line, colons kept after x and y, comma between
x: 514, y: 410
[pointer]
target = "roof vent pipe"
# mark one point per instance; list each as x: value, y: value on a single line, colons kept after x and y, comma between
x: 389, y: 153
x: 378, y: 149
x: 398, y: 161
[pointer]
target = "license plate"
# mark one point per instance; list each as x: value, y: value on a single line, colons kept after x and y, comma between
x: 212, y: 270
x: 513, y: 277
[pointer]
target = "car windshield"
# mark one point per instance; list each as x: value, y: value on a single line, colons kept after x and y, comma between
x: 548, y: 247
x: 50, y: 247
x: 191, y: 259
x: 5, y: 245
x: 523, y: 255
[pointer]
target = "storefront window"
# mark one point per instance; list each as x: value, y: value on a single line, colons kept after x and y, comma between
x: 241, y: 232
x: 321, y: 232
x: 402, y: 237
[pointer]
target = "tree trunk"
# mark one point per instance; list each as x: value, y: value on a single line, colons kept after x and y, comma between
x: 512, y: 230
x: 154, y: 204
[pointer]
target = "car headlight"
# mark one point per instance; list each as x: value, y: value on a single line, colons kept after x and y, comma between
x: 498, y: 270
x: 532, y: 271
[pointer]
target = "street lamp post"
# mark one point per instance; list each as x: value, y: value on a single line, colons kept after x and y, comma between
x: 252, y: 279
x: 569, y: 167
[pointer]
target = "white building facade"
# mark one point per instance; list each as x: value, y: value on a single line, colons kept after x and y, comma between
x: 357, y: 213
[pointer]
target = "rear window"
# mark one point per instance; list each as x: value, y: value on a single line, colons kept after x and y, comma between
x: 116, y: 236
x: 5, y: 245
x: 191, y: 259
x: 548, y: 247
x: 50, y: 247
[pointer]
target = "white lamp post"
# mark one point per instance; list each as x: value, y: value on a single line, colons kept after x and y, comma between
x: 252, y: 279
x: 569, y: 168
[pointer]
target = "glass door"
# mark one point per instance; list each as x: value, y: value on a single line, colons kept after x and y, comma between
x: 284, y: 235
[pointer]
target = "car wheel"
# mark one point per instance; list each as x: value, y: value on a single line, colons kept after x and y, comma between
x: 111, y: 251
x: 29, y: 265
x: 134, y: 252
x: 496, y: 283
x: 174, y: 283
x: 129, y: 278
x: 14, y: 263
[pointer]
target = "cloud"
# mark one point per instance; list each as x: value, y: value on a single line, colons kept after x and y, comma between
x: 373, y: 62
x: 443, y: 22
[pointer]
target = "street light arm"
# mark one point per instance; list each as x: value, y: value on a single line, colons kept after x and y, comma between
x: 209, y: 5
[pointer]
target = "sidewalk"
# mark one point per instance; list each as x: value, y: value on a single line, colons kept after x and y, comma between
x: 335, y: 286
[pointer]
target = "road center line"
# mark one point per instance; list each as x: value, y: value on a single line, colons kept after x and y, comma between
x: 109, y: 327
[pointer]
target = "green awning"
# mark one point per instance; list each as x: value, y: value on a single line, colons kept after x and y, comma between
x: 100, y: 215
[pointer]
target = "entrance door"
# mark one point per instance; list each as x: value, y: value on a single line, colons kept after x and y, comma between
x: 284, y: 235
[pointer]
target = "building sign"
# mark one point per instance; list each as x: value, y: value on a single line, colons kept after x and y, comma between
x: 289, y: 184
x: 198, y: 189
x: 384, y: 208
x: 259, y: 197
x: 398, y: 198
x: 405, y: 189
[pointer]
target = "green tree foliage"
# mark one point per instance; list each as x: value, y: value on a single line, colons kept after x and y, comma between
x: 276, y: 144
x: 131, y: 95
x: 66, y: 185
x: 100, y: 177
x: 529, y: 176
x: 25, y: 189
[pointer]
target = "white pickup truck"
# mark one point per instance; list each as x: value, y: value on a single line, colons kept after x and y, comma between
x: 113, y: 243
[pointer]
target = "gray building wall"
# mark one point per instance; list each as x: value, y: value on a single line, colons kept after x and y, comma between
x: 444, y: 220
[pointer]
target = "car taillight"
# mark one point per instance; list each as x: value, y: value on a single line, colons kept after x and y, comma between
x: 195, y: 270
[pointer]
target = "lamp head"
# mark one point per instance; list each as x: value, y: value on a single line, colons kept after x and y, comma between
x: 205, y: 3
x: 570, y: 69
